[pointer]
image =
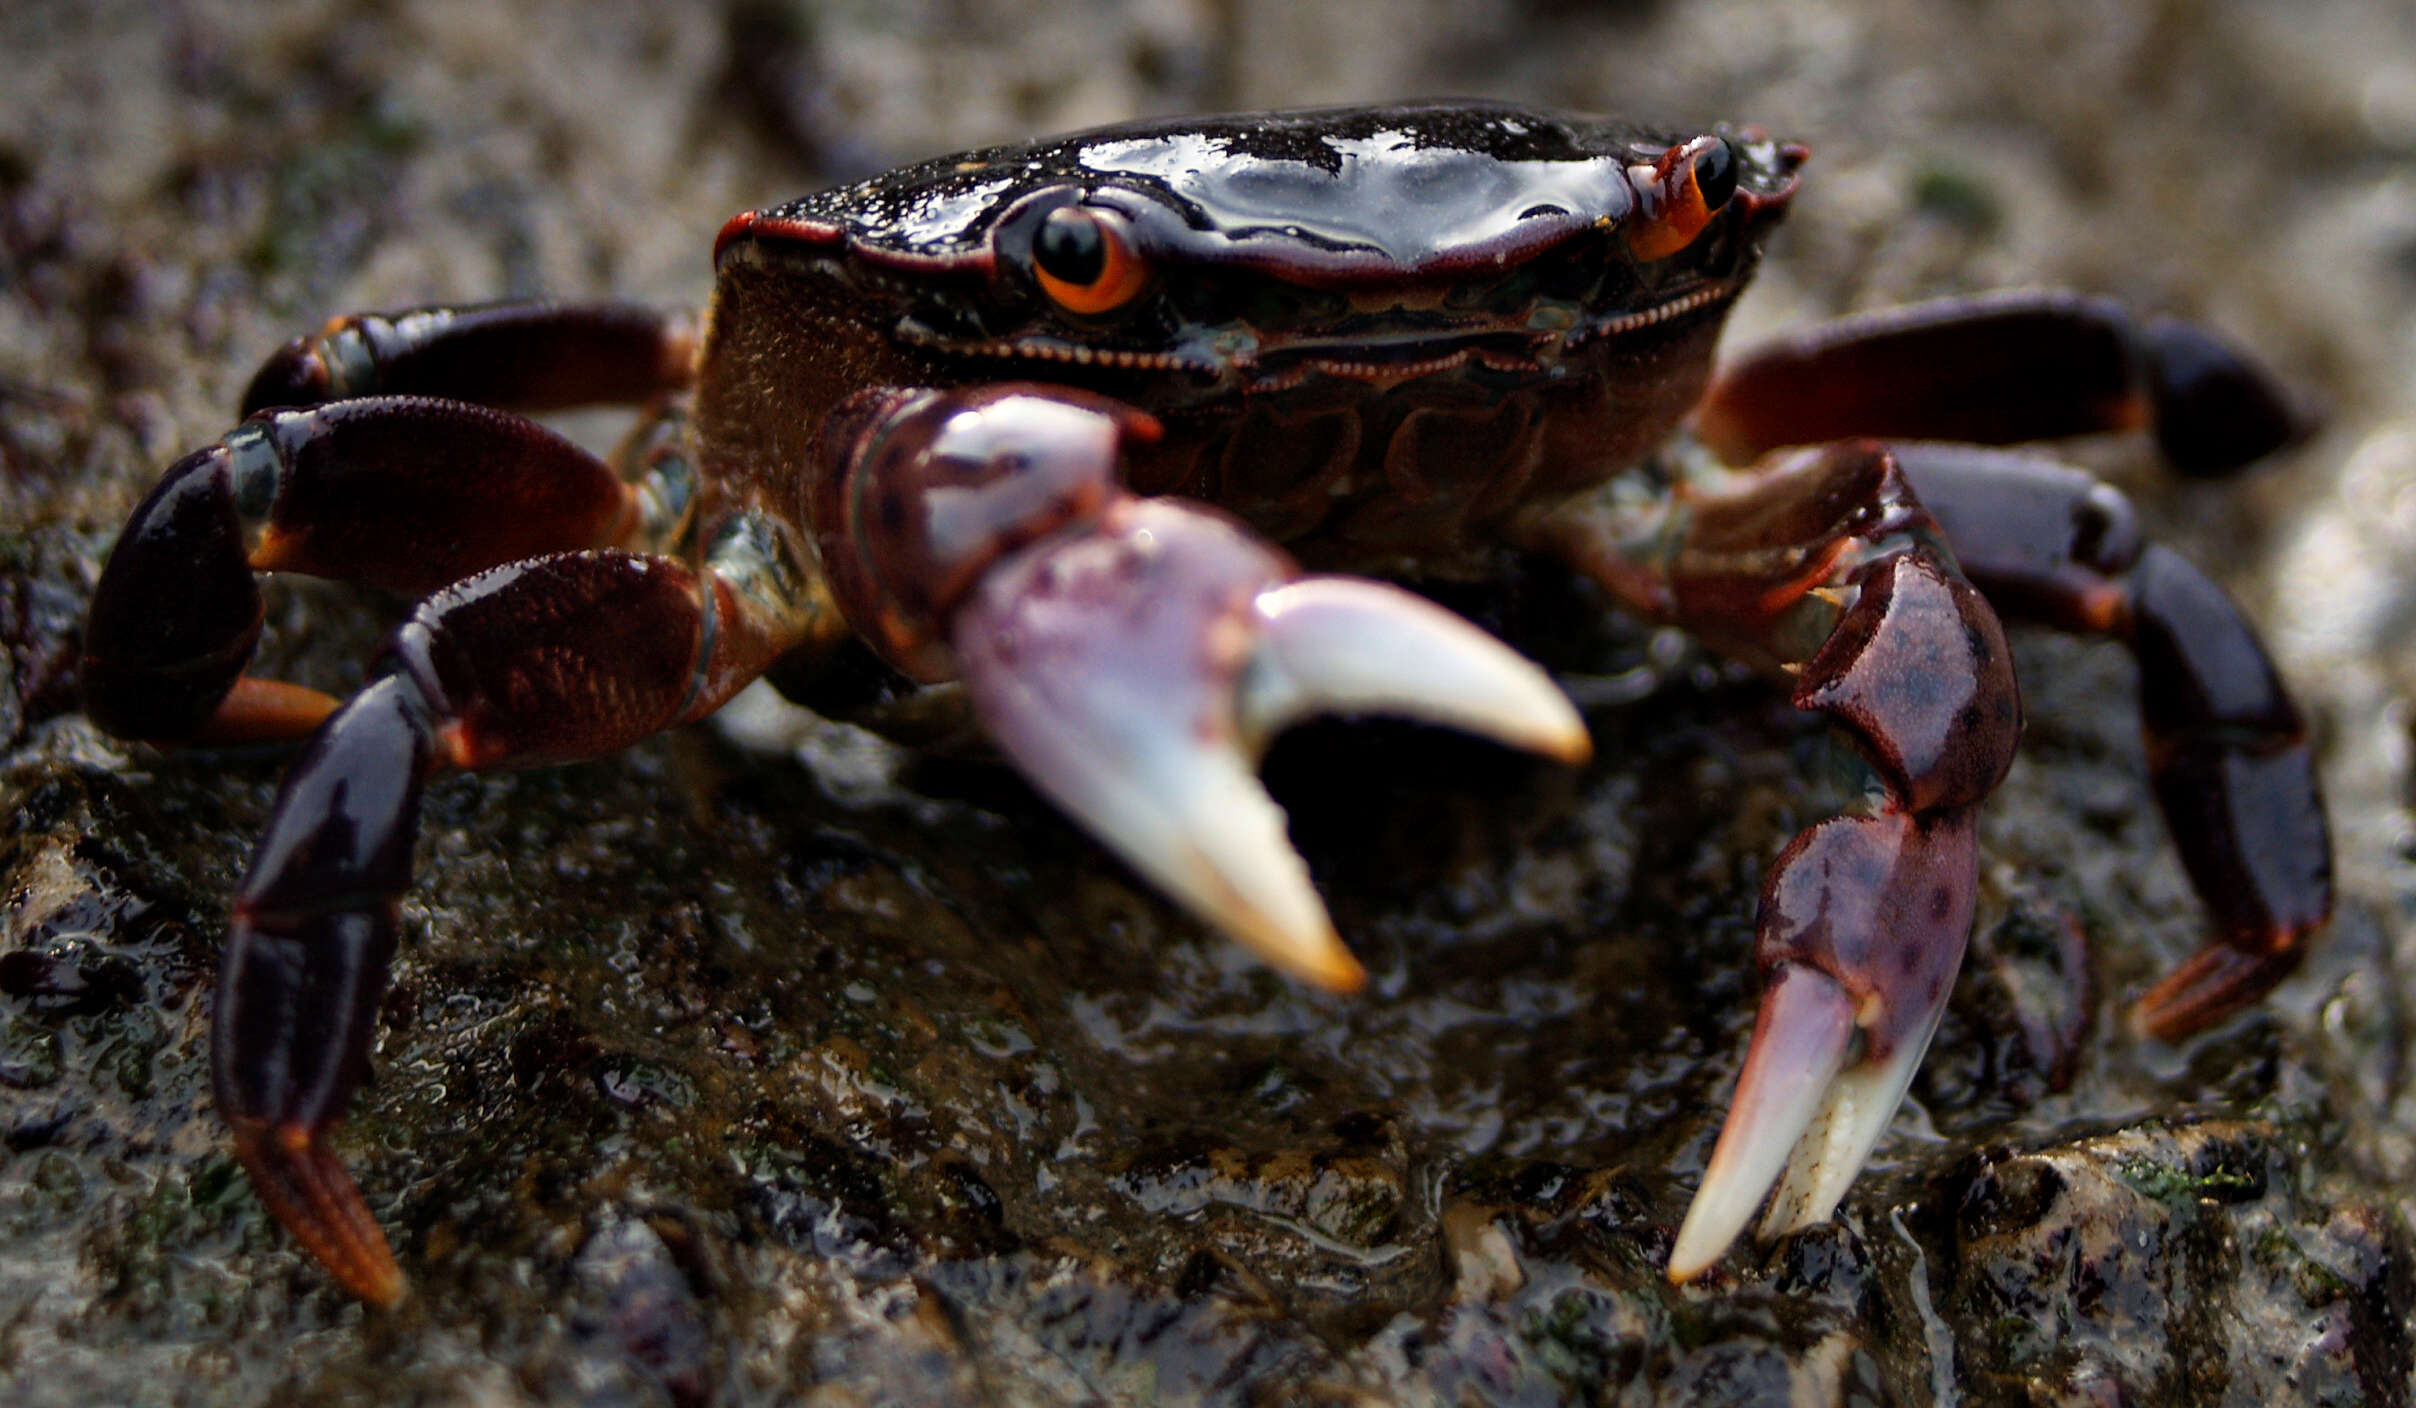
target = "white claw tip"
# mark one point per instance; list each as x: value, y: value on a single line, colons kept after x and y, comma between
x: 1323, y: 962
x: 1799, y: 1046
x: 1345, y: 644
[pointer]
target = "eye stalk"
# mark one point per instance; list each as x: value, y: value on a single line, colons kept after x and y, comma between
x: 1691, y: 183
x: 1085, y: 260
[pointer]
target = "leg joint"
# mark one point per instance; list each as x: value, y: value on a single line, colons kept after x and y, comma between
x: 1919, y: 669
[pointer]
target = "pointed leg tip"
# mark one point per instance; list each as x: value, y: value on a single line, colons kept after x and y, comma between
x: 309, y: 1191
x: 2217, y: 981
x: 380, y: 1284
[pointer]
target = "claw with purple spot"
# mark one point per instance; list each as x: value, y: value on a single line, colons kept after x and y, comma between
x: 1864, y: 921
x: 1134, y: 666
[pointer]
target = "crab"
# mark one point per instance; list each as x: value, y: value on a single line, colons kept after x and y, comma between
x: 1071, y: 422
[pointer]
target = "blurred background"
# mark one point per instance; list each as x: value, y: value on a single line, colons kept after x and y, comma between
x: 714, y: 1075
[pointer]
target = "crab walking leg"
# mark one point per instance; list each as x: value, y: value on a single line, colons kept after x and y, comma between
x: 2000, y: 369
x: 2227, y: 750
x: 1134, y: 656
x: 372, y: 490
x: 1822, y: 568
x: 550, y: 660
x: 527, y: 356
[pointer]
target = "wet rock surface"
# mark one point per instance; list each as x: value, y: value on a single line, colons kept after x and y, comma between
x: 776, y: 1064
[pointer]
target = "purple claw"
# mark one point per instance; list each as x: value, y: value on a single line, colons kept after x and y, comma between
x: 1134, y: 656
x: 1864, y: 918
x: 1135, y: 666
x: 1863, y: 925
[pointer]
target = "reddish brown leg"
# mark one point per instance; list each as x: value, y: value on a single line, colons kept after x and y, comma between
x: 405, y: 493
x: 527, y: 356
x: 2000, y: 370
x: 2227, y: 750
x: 1824, y: 569
x: 543, y: 661
x: 390, y: 487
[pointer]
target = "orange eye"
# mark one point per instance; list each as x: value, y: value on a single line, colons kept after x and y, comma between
x: 1694, y: 181
x: 1085, y: 260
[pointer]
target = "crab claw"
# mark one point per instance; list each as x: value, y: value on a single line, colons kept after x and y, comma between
x: 1863, y: 925
x: 1134, y: 667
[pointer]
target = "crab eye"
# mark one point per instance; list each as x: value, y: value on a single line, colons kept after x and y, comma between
x: 1715, y: 174
x: 1085, y: 260
x: 1693, y: 181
